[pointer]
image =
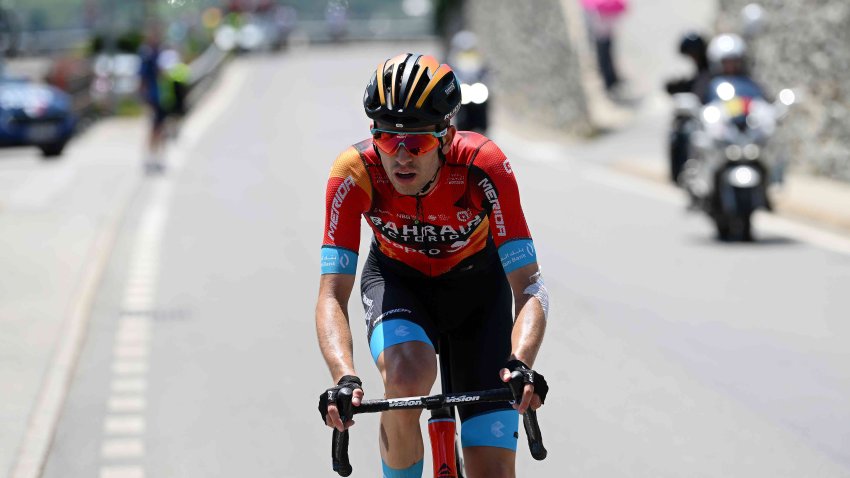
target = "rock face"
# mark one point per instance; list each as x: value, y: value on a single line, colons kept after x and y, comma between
x: 536, y: 72
x: 805, y: 45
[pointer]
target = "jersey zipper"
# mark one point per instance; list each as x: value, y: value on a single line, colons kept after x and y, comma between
x: 420, y: 216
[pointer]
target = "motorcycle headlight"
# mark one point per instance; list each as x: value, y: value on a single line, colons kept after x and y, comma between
x: 475, y: 93
x: 751, y: 151
x: 733, y: 152
x: 711, y: 114
x: 478, y: 93
x: 744, y: 177
x: 464, y: 93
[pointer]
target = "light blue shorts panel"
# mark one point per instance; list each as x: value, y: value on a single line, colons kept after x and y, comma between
x: 415, y: 471
x: 498, y: 428
x: 393, y: 332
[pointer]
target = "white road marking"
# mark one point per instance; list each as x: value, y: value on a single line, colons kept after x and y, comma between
x: 35, y: 446
x: 124, y: 425
x: 138, y: 336
x: 122, y: 472
x: 130, y: 351
x: 129, y: 367
x: 126, y: 404
x: 123, y: 385
x: 31, y: 457
x: 119, y: 448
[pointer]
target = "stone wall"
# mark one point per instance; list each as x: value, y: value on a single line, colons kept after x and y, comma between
x: 536, y: 73
x: 806, y: 46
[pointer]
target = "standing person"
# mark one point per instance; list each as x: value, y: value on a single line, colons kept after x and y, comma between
x: 602, y: 16
x: 450, y: 249
x: 152, y: 94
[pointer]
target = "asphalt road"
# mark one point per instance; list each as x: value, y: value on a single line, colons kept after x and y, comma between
x: 667, y: 353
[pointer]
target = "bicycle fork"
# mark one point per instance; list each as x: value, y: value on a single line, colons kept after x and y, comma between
x: 442, y: 431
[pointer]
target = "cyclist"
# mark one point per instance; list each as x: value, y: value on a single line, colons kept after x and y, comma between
x: 450, y: 247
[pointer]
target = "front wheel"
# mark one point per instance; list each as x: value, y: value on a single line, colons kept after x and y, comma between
x: 734, y: 228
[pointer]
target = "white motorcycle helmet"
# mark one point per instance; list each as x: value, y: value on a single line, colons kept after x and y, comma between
x: 727, y: 46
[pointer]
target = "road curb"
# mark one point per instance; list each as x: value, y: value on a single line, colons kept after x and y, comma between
x: 31, y: 457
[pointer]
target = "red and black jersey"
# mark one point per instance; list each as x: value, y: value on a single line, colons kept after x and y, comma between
x: 475, y: 196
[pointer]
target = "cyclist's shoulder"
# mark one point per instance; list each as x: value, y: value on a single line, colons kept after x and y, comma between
x: 352, y: 162
x: 470, y: 148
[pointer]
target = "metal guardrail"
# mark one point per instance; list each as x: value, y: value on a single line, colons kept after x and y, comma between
x: 203, y: 71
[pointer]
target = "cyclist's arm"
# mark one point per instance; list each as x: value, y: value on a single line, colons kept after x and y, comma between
x: 529, y: 326
x: 347, y: 196
x: 499, y: 194
x: 332, y: 326
x: 530, y: 320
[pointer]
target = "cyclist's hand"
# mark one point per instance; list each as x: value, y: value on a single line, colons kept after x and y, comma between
x: 535, y: 386
x: 331, y: 402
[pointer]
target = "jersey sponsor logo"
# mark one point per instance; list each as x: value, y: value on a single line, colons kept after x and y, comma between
x: 458, y: 245
x: 391, y: 312
x: 341, y: 192
x: 464, y: 215
x: 370, y: 304
x: 427, y: 233
x: 463, y: 398
x: 493, y: 197
x: 455, y: 178
x: 516, y: 254
x: 410, y: 250
x: 496, y: 429
x: 402, y: 331
x: 507, y: 166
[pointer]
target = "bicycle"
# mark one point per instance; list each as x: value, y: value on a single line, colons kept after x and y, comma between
x: 445, y: 451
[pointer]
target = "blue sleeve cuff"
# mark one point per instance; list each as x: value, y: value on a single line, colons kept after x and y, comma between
x: 338, y: 261
x: 517, y: 253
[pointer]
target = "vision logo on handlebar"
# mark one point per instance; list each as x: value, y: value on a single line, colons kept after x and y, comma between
x: 404, y: 402
x: 462, y: 399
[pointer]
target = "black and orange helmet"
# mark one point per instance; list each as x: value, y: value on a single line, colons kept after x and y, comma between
x: 412, y: 90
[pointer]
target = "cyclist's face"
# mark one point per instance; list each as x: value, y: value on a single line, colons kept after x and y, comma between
x: 408, y: 173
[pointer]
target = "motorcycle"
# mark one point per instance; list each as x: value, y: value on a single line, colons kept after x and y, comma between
x: 470, y: 67
x: 727, y: 173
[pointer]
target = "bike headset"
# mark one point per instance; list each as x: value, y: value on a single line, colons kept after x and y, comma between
x: 412, y: 90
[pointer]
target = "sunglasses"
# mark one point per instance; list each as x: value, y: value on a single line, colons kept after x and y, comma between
x: 416, y: 143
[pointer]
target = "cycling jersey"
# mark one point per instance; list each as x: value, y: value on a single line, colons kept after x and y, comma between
x: 473, y: 206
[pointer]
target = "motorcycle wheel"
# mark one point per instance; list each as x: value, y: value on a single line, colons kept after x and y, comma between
x: 734, y: 228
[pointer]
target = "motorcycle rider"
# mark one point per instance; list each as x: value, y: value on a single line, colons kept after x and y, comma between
x: 693, y: 46
x: 470, y: 68
x: 727, y: 58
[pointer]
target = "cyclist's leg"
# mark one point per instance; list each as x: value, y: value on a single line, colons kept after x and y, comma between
x: 480, y: 347
x: 401, y: 338
x: 408, y: 369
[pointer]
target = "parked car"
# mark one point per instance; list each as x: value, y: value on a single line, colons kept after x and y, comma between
x: 34, y: 114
